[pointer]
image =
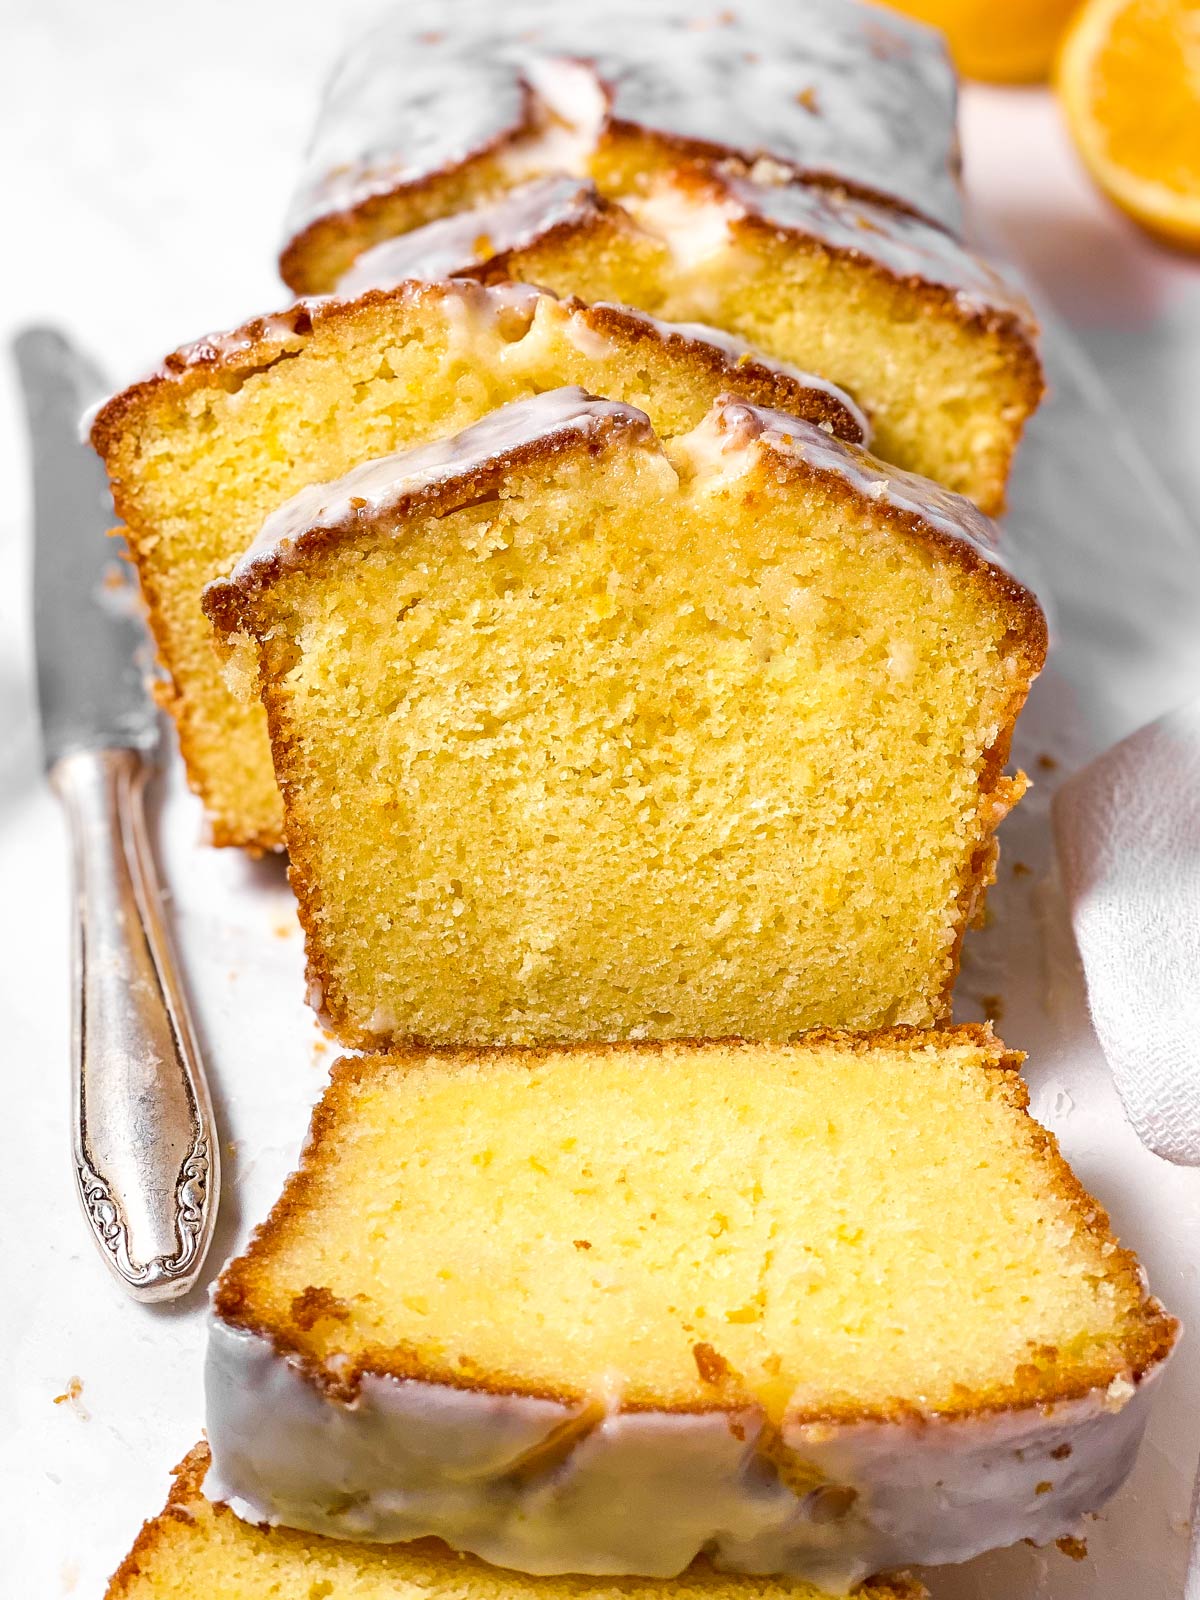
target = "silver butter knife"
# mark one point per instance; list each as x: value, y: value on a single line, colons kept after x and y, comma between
x: 145, y: 1147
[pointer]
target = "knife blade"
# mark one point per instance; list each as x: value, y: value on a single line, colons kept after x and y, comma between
x: 145, y: 1147
x: 89, y: 637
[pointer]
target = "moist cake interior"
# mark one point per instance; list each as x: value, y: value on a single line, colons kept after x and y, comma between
x: 200, y: 458
x: 698, y: 1225
x: 947, y: 395
x: 640, y: 747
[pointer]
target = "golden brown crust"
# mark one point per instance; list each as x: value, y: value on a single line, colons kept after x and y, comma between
x: 776, y: 390
x: 1016, y: 334
x: 188, y: 1478
x: 340, y: 236
x: 237, y: 1299
x: 608, y: 217
x: 314, y: 258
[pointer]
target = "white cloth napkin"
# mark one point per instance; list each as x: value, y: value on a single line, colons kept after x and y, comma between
x: 1128, y: 833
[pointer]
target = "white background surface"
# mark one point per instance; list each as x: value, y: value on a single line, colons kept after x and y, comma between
x: 149, y: 150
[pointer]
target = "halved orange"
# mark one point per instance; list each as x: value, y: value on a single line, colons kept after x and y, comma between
x: 1129, y: 78
x: 998, y: 41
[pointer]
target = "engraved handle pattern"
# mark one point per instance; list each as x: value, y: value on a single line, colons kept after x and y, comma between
x: 146, y: 1154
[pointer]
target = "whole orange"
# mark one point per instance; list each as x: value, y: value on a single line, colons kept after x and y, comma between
x: 998, y: 41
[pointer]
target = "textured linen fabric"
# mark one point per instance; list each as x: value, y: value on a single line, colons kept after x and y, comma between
x: 1127, y: 829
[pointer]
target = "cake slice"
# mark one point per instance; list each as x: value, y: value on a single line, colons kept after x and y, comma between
x: 939, y: 351
x: 447, y: 103
x: 586, y: 734
x: 827, y: 1309
x: 195, y: 1550
x: 200, y: 453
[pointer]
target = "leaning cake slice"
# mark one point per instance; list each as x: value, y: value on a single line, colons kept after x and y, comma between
x: 584, y: 734
x: 197, y: 1550
x: 936, y: 347
x: 200, y: 453
x: 824, y: 1309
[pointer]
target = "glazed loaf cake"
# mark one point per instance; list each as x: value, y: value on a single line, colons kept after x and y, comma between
x: 202, y: 452
x: 448, y: 103
x: 195, y: 1550
x: 587, y: 734
x: 786, y: 170
x: 827, y: 1308
x: 940, y: 352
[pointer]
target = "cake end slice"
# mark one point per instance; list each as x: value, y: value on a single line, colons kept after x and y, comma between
x: 833, y: 1308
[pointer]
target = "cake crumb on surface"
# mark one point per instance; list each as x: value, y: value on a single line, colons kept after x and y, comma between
x: 71, y: 1397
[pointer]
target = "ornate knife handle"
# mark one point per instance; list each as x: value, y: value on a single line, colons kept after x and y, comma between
x: 145, y: 1145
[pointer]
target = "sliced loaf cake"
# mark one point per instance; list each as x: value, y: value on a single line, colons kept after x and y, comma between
x: 199, y: 454
x: 939, y: 351
x: 825, y: 1309
x: 586, y: 734
x: 442, y: 104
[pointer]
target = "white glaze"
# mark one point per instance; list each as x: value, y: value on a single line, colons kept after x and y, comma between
x: 278, y: 327
x: 474, y: 313
x: 454, y: 245
x: 699, y: 228
x: 571, y: 106
x: 645, y: 1492
x: 724, y: 444
x: 905, y: 246
x: 729, y: 440
x: 460, y: 243
x: 829, y: 88
x: 374, y: 486
x: 213, y: 349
